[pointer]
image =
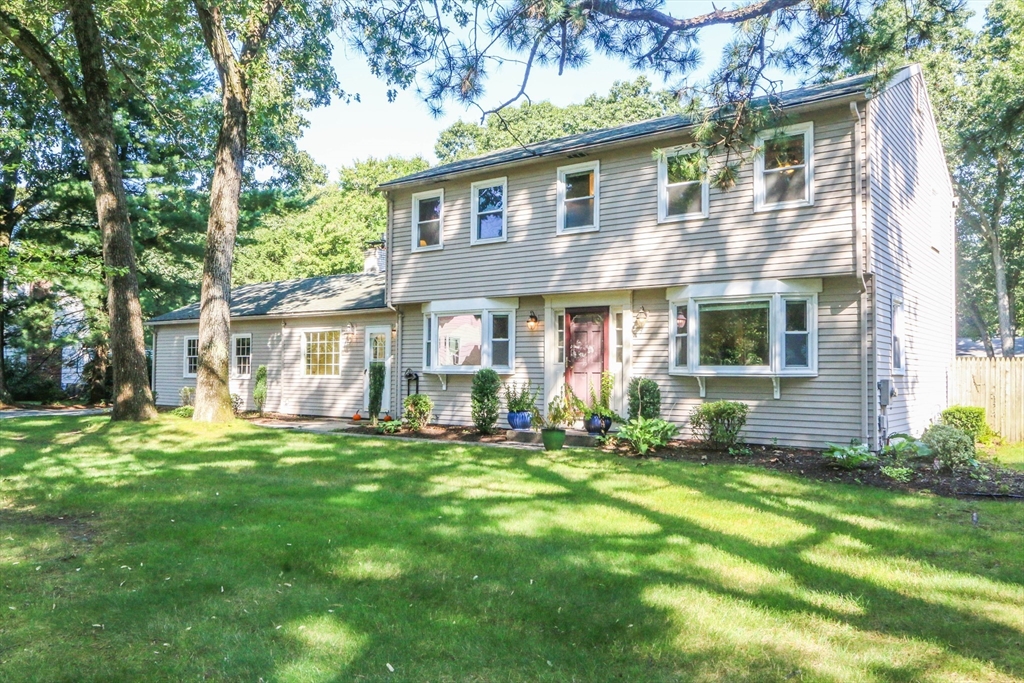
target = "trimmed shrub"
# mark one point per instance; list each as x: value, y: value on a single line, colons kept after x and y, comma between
x: 416, y: 410
x: 952, y: 448
x: 25, y: 385
x: 718, y: 424
x: 236, y: 404
x: 644, y: 398
x: 968, y: 419
x: 378, y: 376
x: 187, y: 396
x: 259, y: 391
x: 184, y: 411
x: 484, y: 400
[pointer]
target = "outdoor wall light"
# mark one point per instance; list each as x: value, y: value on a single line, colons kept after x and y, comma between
x: 639, y: 320
x: 531, y: 322
x: 350, y: 333
x: 394, y: 331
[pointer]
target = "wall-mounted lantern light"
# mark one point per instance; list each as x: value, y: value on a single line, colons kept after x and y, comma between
x: 350, y: 333
x: 639, y: 320
x: 394, y: 331
x: 531, y: 322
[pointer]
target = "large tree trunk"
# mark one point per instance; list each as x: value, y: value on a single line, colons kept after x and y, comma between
x: 213, y: 394
x: 1006, y: 340
x: 92, y: 121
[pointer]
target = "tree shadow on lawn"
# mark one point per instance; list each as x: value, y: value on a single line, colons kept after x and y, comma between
x: 338, y: 556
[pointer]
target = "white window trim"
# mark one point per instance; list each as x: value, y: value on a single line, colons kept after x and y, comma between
x: 416, y: 220
x: 234, y: 356
x: 563, y: 171
x: 184, y: 354
x: 776, y: 293
x: 663, y: 215
x: 897, y: 323
x: 305, y: 348
x: 486, y: 316
x: 759, y: 199
x: 475, y: 208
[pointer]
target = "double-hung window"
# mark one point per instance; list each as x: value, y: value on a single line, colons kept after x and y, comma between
x: 784, y: 168
x: 241, y: 355
x: 579, y: 197
x: 322, y: 352
x: 899, y: 339
x: 428, y: 220
x: 191, y: 361
x: 682, y: 185
x: 463, y: 341
x: 488, y: 211
x: 764, y: 327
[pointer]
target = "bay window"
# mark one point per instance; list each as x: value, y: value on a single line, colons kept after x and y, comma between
x: 487, y: 211
x: 428, y: 220
x: 463, y: 340
x: 784, y: 168
x: 682, y: 185
x: 764, y: 327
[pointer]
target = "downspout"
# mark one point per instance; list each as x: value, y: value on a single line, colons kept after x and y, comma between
x: 396, y: 374
x: 869, y: 268
x: 858, y: 249
x: 152, y: 359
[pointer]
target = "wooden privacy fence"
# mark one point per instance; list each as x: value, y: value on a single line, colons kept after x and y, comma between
x: 997, y: 385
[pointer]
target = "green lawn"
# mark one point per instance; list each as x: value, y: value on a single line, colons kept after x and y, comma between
x: 1007, y: 454
x: 236, y: 553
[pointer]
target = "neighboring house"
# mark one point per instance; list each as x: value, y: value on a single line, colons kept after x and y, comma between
x: 825, y: 272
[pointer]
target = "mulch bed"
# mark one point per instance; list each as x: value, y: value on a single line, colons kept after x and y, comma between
x: 987, y: 481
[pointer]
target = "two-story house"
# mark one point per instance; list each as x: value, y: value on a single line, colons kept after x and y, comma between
x: 819, y: 289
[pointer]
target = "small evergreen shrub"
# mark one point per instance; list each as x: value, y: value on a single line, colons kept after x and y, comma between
x: 236, y: 404
x: 378, y: 378
x: 184, y: 411
x: 417, y: 410
x: 642, y: 434
x: 259, y: 390
x: 25, y: 385
x: 187, y: 395
x: 968, y: 419
x: 718, y: 424
x: 644, y: 398
x: 484, y: 400
x: 952, y: 448
x: 850, y: 457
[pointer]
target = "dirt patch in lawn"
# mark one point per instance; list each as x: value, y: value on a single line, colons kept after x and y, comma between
x: 438, y: 432
x: 73, y: 529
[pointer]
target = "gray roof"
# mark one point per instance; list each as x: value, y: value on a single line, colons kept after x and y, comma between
x: 847, y: 87
x: 312, y: 295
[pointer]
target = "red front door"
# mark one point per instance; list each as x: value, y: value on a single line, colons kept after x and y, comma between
x: 586, y: 349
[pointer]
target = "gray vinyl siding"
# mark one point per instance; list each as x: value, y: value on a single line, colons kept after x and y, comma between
x: 810, y: 410
x: 279, y: 346
x: 452, y: 405
x: 913, y: 255
x: 631, y: 250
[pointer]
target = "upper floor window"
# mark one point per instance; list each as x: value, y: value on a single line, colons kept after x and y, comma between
x: 899, y: 340
x: 579, y: 197
x: 682, y: 185
x: 241, y: 355
x: 428, y: 220
x: 764, y: 327
x: 322, y: 351
x: 487, y: 214
x: 463, y: 341
x: 784, y: 168
x: 191, y: 365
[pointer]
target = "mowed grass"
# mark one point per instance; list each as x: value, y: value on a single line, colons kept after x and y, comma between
x: 1007, y: 454
x: 190, y: 552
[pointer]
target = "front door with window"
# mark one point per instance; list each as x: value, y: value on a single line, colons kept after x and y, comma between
x: 586, y: 349
x: 378, y: 350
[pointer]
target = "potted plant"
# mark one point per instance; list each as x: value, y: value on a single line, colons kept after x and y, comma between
x: 521, y: 404
x: 562, y: 412
x: 599, y: 413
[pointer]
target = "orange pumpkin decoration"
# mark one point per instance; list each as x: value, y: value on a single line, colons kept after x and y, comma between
x: 357, y: 417
x: 388, y: 418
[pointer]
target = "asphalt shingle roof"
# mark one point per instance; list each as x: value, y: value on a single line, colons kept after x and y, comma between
x: 853, y: 85
x: 352, y: 292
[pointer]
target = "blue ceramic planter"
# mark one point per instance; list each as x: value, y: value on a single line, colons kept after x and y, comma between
x: 596, y: 425
x: 520, y: 421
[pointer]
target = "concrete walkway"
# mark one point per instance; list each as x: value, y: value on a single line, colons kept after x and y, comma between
x: 42, y: 412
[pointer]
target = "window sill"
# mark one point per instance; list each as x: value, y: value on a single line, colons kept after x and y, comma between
x: 467, y: 371
x: 437, y: 247
x: 764, y: 208
x: 576, y: 231
x: 708, y: 373
x: 899, y: 373
x: 493, y: 240
x: 186, y: 376
x: 685, y: 218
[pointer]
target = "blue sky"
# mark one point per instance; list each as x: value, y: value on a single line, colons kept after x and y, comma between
x: 342, y: 133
